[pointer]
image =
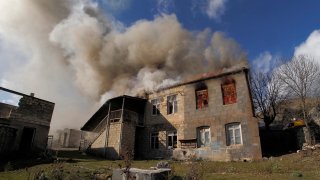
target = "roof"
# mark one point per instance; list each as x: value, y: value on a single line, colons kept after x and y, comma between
x: 208, y: 75
x: 102, y: 112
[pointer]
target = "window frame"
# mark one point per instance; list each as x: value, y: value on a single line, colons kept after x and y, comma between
x: 156, y: 103
x: 172, y: 99
x: 231, y: 126
x: 172, y: 134
x: 203, y: 130
x: 225, y: 92
x: 154, y: 140
x: 203, y: 105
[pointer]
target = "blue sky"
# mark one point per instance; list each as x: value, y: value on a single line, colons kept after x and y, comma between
x: 258, y: 26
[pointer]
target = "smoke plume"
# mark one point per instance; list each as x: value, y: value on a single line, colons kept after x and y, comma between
x: 76, y: 55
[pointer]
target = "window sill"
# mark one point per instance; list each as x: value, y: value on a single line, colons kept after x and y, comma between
x: 202, y: 109
x: 229, y: 104
x: 235, y: 146
x: 172, y: 114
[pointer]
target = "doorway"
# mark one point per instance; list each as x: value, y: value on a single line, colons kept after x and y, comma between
x: 27, y: 139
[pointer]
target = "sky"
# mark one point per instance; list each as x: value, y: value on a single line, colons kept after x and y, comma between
x: 262, y: 28
x: 72, y: 52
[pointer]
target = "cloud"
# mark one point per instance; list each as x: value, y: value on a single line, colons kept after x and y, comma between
x: 165, y: 6
x: 117, y: 5
x: 75, y: 56
x: 265, y: 62
x: 215, y: 8
x: 34, y: 64
x: 311, y: 47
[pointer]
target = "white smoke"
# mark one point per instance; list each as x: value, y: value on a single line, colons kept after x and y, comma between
x: 76, y: 56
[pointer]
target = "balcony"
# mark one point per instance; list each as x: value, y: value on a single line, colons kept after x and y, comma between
x: 115, y: 116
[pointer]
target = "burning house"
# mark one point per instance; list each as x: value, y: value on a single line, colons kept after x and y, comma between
x: 209, y: 117
x: 24, y: 128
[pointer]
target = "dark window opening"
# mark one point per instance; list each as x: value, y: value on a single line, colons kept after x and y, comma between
x: 202, y: 98
x: 27, y: 139
x: 172, y: 140
x: 155, y: 106
x: 172, y: 104
x: 229, y: 92
x: 154, y: 140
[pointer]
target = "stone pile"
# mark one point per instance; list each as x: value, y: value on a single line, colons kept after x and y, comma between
x: 307, y: 147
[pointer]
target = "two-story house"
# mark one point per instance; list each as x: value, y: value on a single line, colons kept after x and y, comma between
x: 209, y: 117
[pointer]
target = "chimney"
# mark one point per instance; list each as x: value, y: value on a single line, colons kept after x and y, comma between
x: 32, y: 94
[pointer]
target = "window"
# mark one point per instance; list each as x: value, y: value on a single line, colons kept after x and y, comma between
x: 172, y: 140
x: 155, y: 140
x: 155, y: 106
x: 229, y: 92
x: 204, y: 136
x: 172, y: 104
x: 234, y: 135
x: 202, y: 98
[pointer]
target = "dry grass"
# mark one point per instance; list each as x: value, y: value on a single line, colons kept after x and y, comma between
x: 76, y: 166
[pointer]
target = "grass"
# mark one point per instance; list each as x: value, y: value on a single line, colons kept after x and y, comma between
x: 74, y: 165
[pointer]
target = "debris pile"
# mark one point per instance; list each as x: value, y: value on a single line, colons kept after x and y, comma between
x: 307, y: 147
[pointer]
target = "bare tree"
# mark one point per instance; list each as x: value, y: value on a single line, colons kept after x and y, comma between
x: 301, y: 76
x: 266, y: 94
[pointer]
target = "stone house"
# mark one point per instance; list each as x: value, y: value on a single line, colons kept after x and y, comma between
x: 24, y: 128
x: 209, y: 116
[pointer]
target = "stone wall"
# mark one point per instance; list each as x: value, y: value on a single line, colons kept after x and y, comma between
x: 216, y: 116
x: 6, y: 109
x: 112, y: 144
x: 128, y: 138
x: 33, y: 110
x: 33, y: 114
x: 7, y: 138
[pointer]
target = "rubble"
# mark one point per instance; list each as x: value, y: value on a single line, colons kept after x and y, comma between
x: 163, y: 164
x: 307, y: 147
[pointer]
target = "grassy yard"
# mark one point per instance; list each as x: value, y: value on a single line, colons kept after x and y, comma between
x: 74, y: 165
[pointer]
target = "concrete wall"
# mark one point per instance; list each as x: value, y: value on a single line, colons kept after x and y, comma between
x: 216, y: 116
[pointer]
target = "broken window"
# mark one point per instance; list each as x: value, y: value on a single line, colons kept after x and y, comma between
x: 172, y: 140
x: 204, y: 136
x: 234, y: 135
x: 188, y: 143
x: 155, y: 140
x: 172, y: 104
x: 155, y: 106
x: 229, y: 92
x: 202, y: 98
